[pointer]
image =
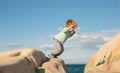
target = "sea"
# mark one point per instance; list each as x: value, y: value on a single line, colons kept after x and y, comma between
x: 74, y: 68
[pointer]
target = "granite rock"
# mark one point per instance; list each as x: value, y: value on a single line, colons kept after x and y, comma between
x: 106, y: 59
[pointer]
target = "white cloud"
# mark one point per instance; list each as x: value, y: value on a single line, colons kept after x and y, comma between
x: 13, y: 45
x: 88, y: 40
x: 69, y: 60
x: 93, y: 41
x: 46, y: 46
x: 41, y: 40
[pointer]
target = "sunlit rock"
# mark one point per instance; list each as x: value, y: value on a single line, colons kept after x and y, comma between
x: 106, y: 59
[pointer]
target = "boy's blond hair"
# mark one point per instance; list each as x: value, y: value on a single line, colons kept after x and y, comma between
x: 71, y: 22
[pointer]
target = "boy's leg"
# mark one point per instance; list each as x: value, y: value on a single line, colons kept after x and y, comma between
x: 59, y: 49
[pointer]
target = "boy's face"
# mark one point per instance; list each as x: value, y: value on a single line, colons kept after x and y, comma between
x: 71, y: 29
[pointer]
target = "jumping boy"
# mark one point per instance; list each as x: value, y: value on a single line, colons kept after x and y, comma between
x: 60, y: 38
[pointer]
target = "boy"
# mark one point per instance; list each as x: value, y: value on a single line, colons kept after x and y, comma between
x: 60, y: 38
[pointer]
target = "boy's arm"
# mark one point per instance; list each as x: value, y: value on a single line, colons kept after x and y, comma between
x: 72, y: 34
x: 66, y: 30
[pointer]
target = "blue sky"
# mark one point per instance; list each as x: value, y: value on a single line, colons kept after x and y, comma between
x: 32, y: 23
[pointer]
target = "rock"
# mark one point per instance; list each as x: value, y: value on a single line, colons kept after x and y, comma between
x: 21, y: 61
x: 106, y: 59
x: 29, y: 61
x: 54, y: 65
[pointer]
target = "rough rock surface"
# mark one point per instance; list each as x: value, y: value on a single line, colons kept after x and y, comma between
x: 29, y: 61
x: 106, y: 59
x: 54, y: 65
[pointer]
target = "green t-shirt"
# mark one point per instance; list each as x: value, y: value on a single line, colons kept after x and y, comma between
x: 63, y: 35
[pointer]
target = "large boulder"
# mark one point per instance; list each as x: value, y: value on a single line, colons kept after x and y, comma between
x: 21, y: 61
x: 29, y: 61
x: 54, y: 65
x: 106, y: 59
